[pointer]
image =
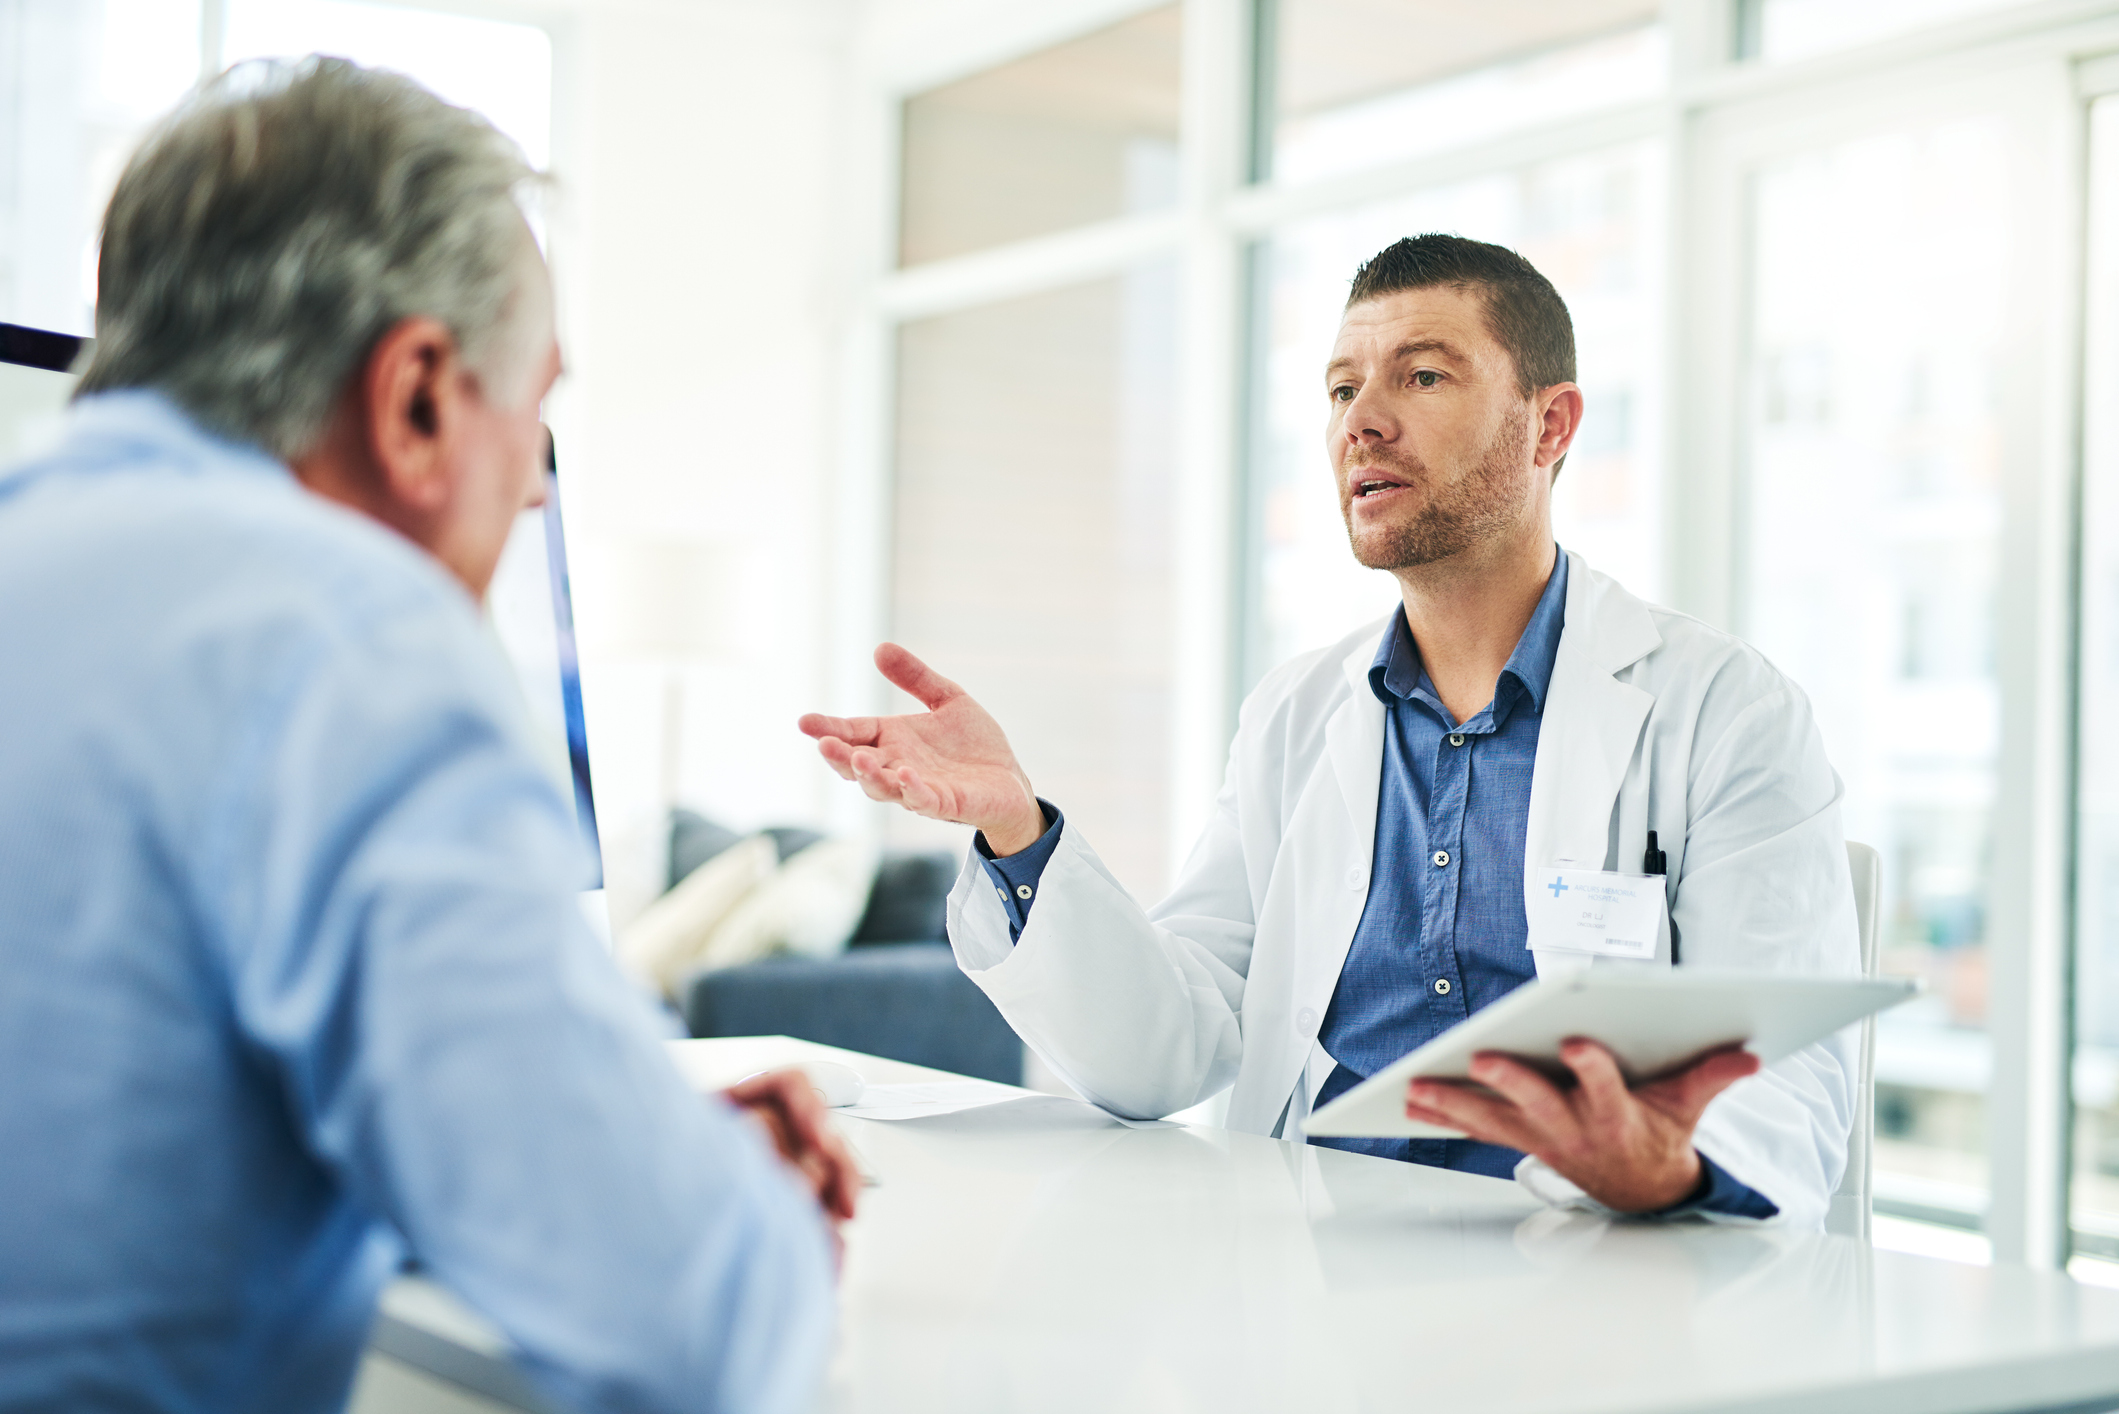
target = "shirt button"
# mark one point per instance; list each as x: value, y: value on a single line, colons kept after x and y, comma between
x: 1456, y: 738
x: 1442, y: 859
x: 1023, y: 892
x: 1306, y: 1022
x: 1442, y: 986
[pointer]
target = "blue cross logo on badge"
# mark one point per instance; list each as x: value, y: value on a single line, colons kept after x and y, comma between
x: 1558, y: 886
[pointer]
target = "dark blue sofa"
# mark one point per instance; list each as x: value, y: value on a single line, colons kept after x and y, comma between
x: 895, y: 992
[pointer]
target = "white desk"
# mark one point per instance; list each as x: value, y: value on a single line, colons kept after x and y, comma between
x: 1042, y: 1261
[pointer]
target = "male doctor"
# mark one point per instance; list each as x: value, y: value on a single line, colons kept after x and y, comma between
x: 1392, y: 801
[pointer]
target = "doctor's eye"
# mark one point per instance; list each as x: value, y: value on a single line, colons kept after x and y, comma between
x: 1344, y: 393
x: 1426, y: 378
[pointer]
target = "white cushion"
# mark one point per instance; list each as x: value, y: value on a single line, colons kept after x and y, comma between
x: 665, y: 942
x: 810, y: 907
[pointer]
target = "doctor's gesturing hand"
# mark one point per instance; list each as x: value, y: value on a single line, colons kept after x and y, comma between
x: 1631, y: 1150
x: 951, y: 762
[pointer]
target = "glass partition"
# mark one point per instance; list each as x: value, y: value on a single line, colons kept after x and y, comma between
x: 1031, y: 549
x: 1077, y: 133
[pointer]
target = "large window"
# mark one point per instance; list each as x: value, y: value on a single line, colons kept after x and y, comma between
x: 78, y: 84
x: 1826, y: 294
x: 1079, y: 132
x: 501, y: 70
x: 1795, y: 29
x: 81, y: 82
x: 1887, y: 408
x: 1355, y: 83
x: 2096, y: 1060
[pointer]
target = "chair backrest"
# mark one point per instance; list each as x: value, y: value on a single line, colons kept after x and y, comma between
x: 1849, y: 1213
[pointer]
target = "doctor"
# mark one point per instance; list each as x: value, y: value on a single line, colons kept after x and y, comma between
x: 1392, y: 802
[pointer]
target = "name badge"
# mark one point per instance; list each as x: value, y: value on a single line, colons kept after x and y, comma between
x: 1587, y: 910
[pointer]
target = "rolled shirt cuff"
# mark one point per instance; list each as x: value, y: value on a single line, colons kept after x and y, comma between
x: 1015, y: 878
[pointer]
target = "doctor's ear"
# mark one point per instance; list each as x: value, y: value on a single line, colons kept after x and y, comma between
x: 1559, y: 418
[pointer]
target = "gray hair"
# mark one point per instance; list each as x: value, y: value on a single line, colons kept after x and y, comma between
x: 287, y: 216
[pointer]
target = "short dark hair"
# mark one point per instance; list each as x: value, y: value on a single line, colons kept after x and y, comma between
x: 1523, y: 311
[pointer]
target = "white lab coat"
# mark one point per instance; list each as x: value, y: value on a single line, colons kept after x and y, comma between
x: 1652, y: 721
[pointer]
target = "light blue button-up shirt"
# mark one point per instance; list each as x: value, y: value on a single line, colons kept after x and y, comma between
x: 293, y: 983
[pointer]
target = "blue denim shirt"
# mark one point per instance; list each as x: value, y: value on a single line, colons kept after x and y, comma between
x: 1443, y: 933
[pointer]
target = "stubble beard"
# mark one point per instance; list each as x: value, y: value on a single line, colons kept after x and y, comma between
x: 1474, y: 511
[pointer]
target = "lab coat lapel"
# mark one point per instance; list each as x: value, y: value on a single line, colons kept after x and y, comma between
x: 1588, y: 734
x: 1353, y: 740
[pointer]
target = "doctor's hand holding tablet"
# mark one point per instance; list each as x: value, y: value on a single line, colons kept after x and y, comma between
x: 1441, y: 832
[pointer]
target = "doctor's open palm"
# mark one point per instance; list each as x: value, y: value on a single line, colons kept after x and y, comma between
x: 950, y: 762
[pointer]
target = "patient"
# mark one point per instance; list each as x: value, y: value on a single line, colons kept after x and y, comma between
x: 293, y: 985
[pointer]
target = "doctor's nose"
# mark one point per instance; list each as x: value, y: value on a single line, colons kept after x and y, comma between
x: 1367, y: 421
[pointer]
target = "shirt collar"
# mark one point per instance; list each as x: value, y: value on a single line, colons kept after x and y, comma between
x: 133, y: 424
x: 1397, y: 674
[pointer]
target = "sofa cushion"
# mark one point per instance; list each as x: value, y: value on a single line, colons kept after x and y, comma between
x: 808, y: 906
x: 694, y: 840
x: 910, y: 903
x: 791, y: 840
x: 669, y: 939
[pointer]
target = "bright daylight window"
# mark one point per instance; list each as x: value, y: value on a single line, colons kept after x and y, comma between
x: 1356, y: 83
x: 2096, y: 1065
x: 1080, y: 132
x: 79, y: 84
x: 1883, y: 425
x: 1794, y: 29
x: 1594, y: 225
x: 501, y: 70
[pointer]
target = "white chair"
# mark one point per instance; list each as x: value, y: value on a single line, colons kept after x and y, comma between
x: 1849, y: 1213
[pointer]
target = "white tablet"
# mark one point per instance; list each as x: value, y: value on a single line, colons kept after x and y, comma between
x: 1653, y: 1022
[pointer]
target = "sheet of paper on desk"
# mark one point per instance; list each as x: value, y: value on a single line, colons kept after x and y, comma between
x: 948, y: 1097
x: 939, y: 1097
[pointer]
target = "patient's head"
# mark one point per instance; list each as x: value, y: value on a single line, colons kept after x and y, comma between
x: 330, y: 263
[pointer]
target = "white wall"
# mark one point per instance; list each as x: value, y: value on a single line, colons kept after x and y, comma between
x: 693, y: 241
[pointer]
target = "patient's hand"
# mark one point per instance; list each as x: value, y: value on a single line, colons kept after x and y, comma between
x: 782, y: 1103
x: 951, y: 762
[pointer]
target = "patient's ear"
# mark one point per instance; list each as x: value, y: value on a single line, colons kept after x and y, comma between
x: 408, y: 403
